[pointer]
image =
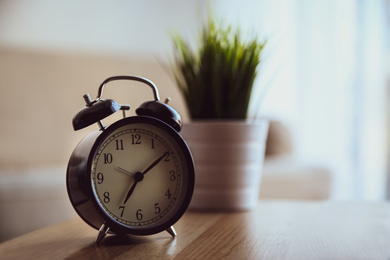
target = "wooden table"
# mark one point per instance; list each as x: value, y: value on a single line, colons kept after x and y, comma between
x: 275, y: 230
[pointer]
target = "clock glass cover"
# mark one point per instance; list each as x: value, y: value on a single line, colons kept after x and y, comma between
x: 141, y: 175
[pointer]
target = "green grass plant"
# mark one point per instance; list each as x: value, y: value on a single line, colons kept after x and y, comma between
x: 217, y: 79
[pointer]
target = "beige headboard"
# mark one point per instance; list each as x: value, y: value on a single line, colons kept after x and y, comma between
x: 41, y: 91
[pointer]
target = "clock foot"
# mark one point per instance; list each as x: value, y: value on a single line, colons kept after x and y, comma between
x: 171, y: 231
x: 102, y: 233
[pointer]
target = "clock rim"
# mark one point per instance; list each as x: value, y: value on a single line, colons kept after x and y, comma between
x: 120, y: 228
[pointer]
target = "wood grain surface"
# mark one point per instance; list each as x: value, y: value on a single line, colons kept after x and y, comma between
x: 275, y: 230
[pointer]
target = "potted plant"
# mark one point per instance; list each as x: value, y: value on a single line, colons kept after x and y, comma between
x: 216, y: 81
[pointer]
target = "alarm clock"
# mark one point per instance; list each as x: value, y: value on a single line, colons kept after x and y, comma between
x: 135, y: 176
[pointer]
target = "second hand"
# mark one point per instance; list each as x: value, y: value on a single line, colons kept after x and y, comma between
x: 125, y: 171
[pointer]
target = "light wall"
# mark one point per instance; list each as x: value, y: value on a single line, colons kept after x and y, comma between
x: 135, y: 27
x: 40, y: 92
x: 53, y: 52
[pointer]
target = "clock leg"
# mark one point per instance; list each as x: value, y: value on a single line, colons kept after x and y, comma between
x: 171, y: 231
x: 102, y: 233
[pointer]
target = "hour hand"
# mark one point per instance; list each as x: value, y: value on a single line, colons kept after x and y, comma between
x: 130, y: 191
x: 138, y: 176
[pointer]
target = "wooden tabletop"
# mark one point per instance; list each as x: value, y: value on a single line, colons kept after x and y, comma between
x: 275, y: 230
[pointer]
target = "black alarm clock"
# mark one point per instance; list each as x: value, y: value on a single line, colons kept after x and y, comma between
x: 135, y: 176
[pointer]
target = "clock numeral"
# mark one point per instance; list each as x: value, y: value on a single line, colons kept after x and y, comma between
x: 168, y: 194
x: 100, y: 178
x: 107, y: 158
x: 119, y: 144
x: 139, y: 214
x: 168, y: 157
x: 135, y: 139
x: 106, y: 197
x: 157, y: 208
x: 173, y: 176
x: 123, y: 209
x: 152, y: 143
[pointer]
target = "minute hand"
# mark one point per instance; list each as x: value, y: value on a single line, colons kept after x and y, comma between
x: 155, y: 163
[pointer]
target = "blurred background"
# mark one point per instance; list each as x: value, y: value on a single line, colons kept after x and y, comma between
x: 324, y: 83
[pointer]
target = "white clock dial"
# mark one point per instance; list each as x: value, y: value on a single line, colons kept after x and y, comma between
x: 137, y: 175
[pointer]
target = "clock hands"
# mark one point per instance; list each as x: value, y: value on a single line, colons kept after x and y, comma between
x: 132, y: 189
x: 125, y: 171
x: 139, y: 176
x: 155, y: 163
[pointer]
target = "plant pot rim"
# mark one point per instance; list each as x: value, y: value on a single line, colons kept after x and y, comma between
x: 225, y: 122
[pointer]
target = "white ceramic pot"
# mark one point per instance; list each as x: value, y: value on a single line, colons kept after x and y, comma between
x: 228, y: 158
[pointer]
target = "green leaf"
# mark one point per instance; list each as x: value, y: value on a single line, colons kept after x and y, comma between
x: 217, y: 79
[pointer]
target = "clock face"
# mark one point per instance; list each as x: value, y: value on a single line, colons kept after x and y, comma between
x: 142, y: 175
